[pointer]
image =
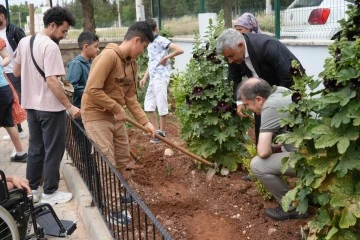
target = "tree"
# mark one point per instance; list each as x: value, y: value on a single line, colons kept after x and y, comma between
x: 227, y: 13
x: 88, y: 15
x: 18, y: 14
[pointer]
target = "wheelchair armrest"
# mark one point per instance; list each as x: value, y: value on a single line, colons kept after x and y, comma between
x: 4, y: 192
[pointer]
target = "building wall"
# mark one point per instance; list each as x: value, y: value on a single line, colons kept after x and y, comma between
x: 311, y: 54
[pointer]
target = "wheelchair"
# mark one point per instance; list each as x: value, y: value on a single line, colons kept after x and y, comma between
x: 20, y: 219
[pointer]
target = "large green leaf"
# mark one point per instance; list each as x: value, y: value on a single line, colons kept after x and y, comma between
x: 331, y: 233
x: 220, y: 137
x: 323, y: 164
x: 325, y: 141
x: 348, y: 73
x: 343, y: 145
x: 339, y: 118
x: 347, y: 217
x: 349, y: 161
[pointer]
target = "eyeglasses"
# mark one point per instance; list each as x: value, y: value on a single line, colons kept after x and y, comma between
x: 65, y: 32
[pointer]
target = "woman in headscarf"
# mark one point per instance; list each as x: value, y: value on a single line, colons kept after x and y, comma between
x: 247, y: 23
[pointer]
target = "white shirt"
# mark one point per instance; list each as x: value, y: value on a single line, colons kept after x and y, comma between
x: 248, y: 62
x: 250, y: 66
x: 9, y: 68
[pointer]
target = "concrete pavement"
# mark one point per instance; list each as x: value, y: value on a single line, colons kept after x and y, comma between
x: 90, y: 225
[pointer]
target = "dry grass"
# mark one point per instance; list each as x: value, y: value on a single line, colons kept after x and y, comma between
x: 266, y: 22
x: 186, y: 25
x: 183, y: 26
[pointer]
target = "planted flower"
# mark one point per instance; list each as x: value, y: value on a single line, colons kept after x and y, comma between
x: 212, y: 58
x: 198, y: 91
x: 296, y: 72
x: 222, y: 106
x: 331, y: 84
x: 296, y: 97
x: 354, y: 83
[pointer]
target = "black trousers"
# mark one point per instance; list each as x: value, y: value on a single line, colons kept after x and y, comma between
x: 46, y: 148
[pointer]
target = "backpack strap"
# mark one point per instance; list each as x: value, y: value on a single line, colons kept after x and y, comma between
x: 32, y: 56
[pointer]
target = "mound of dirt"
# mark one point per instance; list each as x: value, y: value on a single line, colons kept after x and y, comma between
x: 190, y: 207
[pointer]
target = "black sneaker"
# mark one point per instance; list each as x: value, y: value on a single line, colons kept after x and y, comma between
x: 127, y: 199
x: 121, y: 218
x: 156, y: 140
x: 17, y: 158
x: 279, y: 214
x: 248, y: 178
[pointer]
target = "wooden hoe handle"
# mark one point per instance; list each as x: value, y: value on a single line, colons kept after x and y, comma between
x: 181, y: 149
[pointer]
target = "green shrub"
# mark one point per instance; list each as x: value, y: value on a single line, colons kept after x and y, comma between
x: 205, y: 105
x: 325, y: 127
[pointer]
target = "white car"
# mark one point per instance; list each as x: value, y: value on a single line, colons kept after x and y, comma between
x: 313, y: 19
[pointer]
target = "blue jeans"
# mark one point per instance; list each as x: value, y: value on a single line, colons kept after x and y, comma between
x: 47, y: 131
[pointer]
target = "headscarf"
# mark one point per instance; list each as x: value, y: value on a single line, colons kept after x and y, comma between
x: 247, y: 20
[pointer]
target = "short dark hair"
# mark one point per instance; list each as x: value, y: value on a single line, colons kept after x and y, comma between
x: 140, y: 29
x: 87, y: 38
x: 58, y: 15
x: 152, y: 23
x: 3, y: 11
x: 253, y: 87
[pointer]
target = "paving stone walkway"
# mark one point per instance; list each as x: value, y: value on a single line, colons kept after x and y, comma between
x: 68, y: 211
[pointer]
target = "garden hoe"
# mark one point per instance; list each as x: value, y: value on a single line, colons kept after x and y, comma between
x: 213, y: 166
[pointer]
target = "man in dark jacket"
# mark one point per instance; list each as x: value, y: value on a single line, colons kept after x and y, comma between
x: 255, y: 55
x: 12, y: 36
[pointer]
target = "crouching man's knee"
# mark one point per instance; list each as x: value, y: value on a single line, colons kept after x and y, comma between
x: 256, y: 166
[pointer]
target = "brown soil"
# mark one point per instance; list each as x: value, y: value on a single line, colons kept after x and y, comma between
x: 190, y: 207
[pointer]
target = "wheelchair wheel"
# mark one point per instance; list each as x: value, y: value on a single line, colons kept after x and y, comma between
x: 8, y: 227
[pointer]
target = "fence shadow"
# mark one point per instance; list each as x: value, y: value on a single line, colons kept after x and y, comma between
x: 125, y: 214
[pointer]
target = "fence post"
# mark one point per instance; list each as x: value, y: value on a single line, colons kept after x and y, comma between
x: 32, y: 19
x: 277, y: 19
x: 8, y: 10
x: 159, y: 14
x: 202, y: 6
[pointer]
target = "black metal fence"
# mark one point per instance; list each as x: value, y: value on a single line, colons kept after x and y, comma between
x: 126, y: 215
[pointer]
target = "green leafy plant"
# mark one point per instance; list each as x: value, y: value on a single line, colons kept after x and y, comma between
x: 205, y: 105
x: 325, y: 127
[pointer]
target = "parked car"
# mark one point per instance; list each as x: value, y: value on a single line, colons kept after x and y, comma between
x: 313, y: 19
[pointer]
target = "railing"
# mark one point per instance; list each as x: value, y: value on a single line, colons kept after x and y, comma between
x: 109, y: 189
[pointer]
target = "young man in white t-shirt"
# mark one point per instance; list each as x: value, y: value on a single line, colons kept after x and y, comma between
x: 45, y: 102
x: 159, y: 70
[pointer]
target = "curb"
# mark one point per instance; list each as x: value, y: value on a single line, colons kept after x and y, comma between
x: 91, y: 217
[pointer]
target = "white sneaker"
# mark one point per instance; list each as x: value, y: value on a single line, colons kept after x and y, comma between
x: 21, y: 136
x: 13, y: 153
x: 35, y: 196
x: 57, y: 197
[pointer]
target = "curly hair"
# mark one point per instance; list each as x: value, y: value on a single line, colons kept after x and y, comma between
x: 58, y: 15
